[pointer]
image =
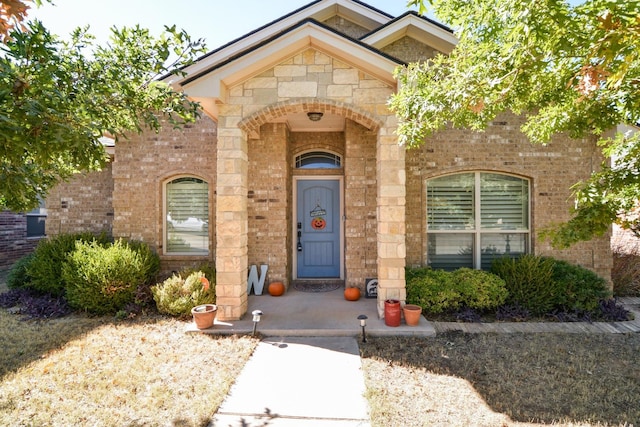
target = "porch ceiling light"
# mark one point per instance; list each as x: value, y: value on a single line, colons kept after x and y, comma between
x: 315, y: 116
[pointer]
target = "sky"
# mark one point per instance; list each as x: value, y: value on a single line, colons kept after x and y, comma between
x: 217, y: 21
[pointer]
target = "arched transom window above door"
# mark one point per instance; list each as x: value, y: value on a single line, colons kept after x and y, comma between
x: 318, y: 160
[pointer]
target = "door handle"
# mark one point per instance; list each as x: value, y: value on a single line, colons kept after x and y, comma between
x: 299, y: 236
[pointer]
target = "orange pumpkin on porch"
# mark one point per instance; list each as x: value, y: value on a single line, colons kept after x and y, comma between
x: 352, y: 294
x: 276, y: 289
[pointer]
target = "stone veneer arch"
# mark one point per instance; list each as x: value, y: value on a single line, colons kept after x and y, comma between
x: 251, y: 124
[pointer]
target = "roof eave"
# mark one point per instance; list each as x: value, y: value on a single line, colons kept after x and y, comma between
x: 369, y: 17
x: 307, y: 34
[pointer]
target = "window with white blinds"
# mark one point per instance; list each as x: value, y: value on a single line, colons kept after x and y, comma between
x: 187, y: 216
x: 473, y: 218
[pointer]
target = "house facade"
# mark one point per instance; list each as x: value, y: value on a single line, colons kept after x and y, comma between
x: 295, y: 164
x: 19, y: 235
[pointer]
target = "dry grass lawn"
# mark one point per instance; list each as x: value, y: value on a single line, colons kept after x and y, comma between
x: 460, y: 379
x: 95, y: 371
x: 147, y: 372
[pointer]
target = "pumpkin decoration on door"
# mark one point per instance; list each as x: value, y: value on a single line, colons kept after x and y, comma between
x: 318, y: 223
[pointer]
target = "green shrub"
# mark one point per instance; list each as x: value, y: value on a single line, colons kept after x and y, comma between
x: 45, y: 270
x: 582, y: 289
x: 103, y: 279
x: 479, y: 289
x: 438, y: 291
x: 542, y: 284
x: 18, y: 275
x: 433, y: 290
x: 178, y: 294
x: 207, y: 268
x: 530, y: 282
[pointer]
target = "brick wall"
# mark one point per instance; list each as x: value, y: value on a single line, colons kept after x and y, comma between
x: 360, y: 199
x: 269, y: 194
x: 409, y: 50
x: 14, y: 243
x: 271, y: 166
x: 552, y: 170
x: 345, y: 26
x: 143, y: 163
x: 84, y: 203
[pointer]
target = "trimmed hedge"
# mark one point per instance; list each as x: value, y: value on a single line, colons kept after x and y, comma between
x: 19, y: 274
x: 103, y: 279
x: 481, y: 290
x: 45, y: 269
x: 582, y: 289
x: 529, y: 280
x: 543, y: 284
x: 438, y: 291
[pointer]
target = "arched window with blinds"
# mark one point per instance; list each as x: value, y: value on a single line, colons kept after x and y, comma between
x: 187, y: 216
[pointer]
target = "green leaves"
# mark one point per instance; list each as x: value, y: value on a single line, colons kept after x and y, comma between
x: 58, y: 98
x: 609, y: 196
x: 569, y: 69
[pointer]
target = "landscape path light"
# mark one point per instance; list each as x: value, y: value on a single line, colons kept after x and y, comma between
x: 256, y: 318
x: 363, y: 323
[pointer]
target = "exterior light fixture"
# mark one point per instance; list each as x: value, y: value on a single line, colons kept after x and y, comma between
x: 256, y: 318
x: 363, y: 323
x: 315, y: 116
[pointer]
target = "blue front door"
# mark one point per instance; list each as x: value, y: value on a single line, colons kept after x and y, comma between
x: 318, y: 228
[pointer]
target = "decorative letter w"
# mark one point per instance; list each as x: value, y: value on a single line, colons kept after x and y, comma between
x: 254, y: 281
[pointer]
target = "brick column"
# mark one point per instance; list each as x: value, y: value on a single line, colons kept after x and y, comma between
x: 391, y: 219
x: 231, y: 218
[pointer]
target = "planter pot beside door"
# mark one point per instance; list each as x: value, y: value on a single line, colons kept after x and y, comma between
x: 392, y: 312
x: 204, y: 315
x: 412, y: 314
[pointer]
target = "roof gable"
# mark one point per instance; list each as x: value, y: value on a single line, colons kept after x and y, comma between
x: 212, y: 82
x: 209, y: 79
x: 412, y: 25
x: 320, y: 10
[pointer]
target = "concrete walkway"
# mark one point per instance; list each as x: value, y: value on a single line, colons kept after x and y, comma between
x: 298, y: 381
x: 307, y: 371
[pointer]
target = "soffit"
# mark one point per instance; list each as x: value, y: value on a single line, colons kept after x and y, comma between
x: 413, y: 25
x: 300, y: 122
x: 321, y: 10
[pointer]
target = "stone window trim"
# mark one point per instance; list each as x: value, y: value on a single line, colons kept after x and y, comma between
x: 190, y: 225
x: 473, y: 222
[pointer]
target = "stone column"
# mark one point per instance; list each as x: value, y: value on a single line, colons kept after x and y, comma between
x: 231, y: 217
x: 391, y: 218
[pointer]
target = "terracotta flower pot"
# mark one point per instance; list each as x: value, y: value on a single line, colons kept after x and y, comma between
x: 276, y: 289
x: 204, y: 315
x: 412, y: 314
x: 392, y: 312
x: 352, y: 294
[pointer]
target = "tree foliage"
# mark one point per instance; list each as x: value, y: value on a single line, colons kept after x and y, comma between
x: 571, y: 69
x: 58, y: 98
x: 12, y: 13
